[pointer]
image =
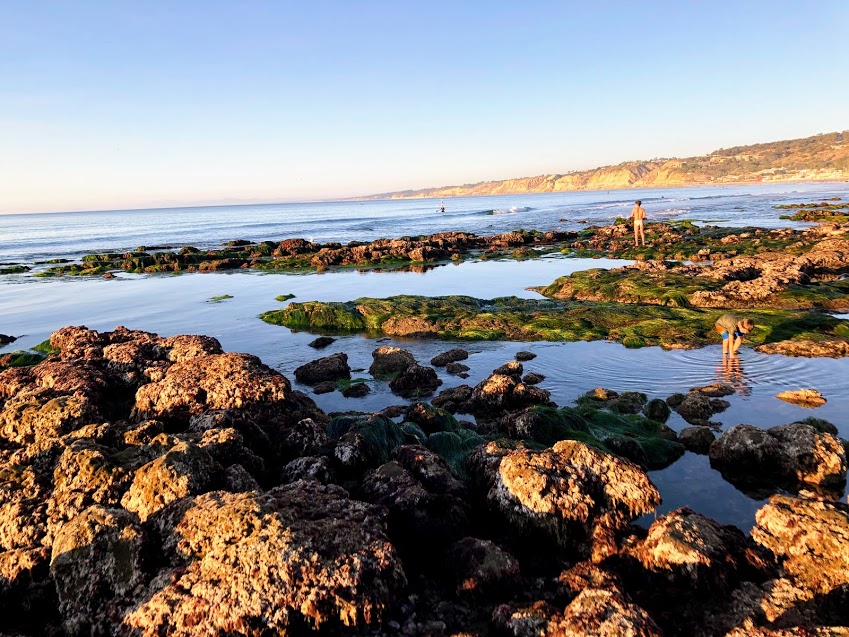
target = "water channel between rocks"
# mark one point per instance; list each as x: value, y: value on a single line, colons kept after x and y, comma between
x: 180, y: 304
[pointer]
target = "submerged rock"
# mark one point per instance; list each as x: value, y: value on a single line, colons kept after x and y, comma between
x: 451, y: 356
x: 321, y: 342
x: 697, y: 439
x: 809, y: 398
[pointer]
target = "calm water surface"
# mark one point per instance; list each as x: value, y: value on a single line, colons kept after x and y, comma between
x: 177, y: 304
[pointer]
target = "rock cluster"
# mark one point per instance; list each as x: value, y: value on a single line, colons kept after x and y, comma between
x: 153, y: 486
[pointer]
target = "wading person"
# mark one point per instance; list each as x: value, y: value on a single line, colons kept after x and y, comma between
x: 638, y: 214
x: 732, y: 331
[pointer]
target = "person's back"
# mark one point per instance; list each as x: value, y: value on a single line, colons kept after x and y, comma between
x: 638, y: 214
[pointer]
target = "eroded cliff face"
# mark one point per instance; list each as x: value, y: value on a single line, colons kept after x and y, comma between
x: 818, y: 158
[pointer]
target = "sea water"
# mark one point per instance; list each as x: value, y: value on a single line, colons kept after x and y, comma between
x: 168, y: 304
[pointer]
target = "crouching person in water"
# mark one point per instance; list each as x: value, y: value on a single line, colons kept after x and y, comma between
x: 732, y: 332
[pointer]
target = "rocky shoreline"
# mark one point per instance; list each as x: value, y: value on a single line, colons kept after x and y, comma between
x: 154, y: 486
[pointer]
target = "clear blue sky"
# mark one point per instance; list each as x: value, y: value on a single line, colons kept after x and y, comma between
x: 118, y: 104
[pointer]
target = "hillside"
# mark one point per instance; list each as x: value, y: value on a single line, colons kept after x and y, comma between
x: 818, y: 158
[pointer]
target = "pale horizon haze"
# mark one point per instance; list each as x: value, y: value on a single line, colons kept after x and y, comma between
x: 124, y: 105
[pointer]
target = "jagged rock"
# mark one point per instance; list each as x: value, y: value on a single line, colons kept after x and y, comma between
x: 809, y: 398
x: 25, y: 586
x: 525, y: 356
x: 415, y: 381
x: 574, y: 495
x: 430, y: 418
x: 482, y: 568
x: 237, y: 479
x: 810, y: 538
x: 510, y: 368
x: 697, y: 408
x: 793, y: 454
x: 227, y: 446
x: 499, y: 393
x: 185, y: 470
x: 451, y: 356
x: 688, y: 551
x: 825, y: 348
x: 321, y: 342
x: 308, y: 468
x: 85, y: 474
x: 302, y: 552
x: 657, y: 409
x: 329, y: 368
x: 696, y: 439
x: 40, y: 414
x: 453, y: 399
x: 603, y: 613
x: 97, y: 563
x: 219, y: 381
x: 390, y: 361
x: 456, y: 368
x: 532, y: 378
x: 529, y: 620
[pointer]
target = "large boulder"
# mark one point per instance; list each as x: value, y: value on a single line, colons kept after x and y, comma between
x: 572, y: 495
x: 302, y: 554
x: 810, y: 539
x: 451, y: 356
x: 603, y: 613
x: 499, y: 393
x: 416, y: 381
x: 390, y: 361
x: 791, y: 455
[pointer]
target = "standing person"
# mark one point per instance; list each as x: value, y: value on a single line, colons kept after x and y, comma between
x: 732, y: 332
x: 638, y: 214
x: 441, y: 206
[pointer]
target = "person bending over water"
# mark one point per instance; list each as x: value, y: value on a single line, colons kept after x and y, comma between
x: 732, y: 332
x: 638, y: 214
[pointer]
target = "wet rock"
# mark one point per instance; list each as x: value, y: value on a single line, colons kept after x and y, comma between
x: 453, y: 399
x: 697, y: 409
x: 511, y: 368
x: 185, y: 470
x: 456, y: 368
x: 657, y: 409
x: 394, y: 411
x: 356, y: 390
x: 525, y: 356
x: 321, y: 342
x: 809, y: 398
x: 825, y: 348
x: 97, y: 564
x: 688, y: 552
x: 305, y: 438
x: 329, y: 368
x: 431, y: 419
x: 499, y: 393
x: 451, y: 356
x: 532, y: 378
x: 810, y: 538
x: 415, y: 381
x: 5, y: 339
x: 795, y: 454
x: 696, y: 439
x: 324, y: 387
x: 714, y: 390
x: 524, y: 620
x: 576, y: 496
x: 390, y: 361
x: 482, y: 568
x: 302, y: 553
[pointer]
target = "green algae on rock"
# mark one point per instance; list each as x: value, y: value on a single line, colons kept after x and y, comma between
x: 512, y: 318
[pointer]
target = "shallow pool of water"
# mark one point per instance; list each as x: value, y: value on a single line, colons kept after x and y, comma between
x: 180, y: 304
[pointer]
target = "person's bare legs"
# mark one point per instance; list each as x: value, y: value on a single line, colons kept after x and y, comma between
x: 726, y: 345
x: 738, y: 341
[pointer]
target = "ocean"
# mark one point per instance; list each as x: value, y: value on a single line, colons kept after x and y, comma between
x: 31, y: 308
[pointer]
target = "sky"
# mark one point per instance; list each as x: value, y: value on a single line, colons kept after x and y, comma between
x: 131, y: 104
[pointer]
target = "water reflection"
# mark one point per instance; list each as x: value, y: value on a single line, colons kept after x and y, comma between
x: 730, y: 371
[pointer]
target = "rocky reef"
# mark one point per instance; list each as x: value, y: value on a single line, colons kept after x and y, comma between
x: 153, y: 486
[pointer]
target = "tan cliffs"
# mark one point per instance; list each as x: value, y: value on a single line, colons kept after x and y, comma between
x: 819, y: 158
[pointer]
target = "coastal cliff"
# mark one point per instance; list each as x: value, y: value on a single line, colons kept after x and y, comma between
x: 818, y: 158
